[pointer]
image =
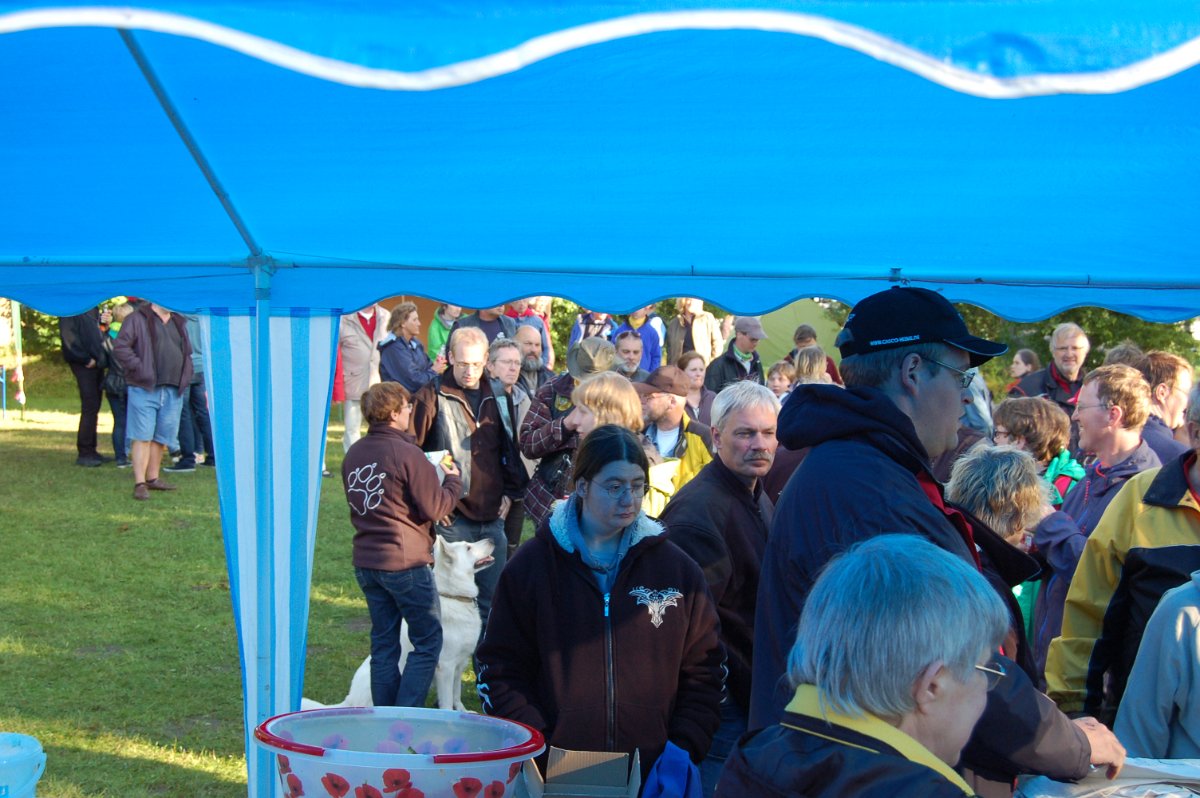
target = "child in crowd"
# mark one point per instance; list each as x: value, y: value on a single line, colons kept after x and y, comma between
x: 780, y: 377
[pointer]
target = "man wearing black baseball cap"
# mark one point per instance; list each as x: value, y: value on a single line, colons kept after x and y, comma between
x: 907, y: 361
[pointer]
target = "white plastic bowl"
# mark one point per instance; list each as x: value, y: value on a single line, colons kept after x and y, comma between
x: 397, y: 752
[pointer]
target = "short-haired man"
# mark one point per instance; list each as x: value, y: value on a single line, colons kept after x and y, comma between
x: 1147, y: 543
x: 907, y: 359
x: 669, y: 428
x: 83, y: 348
x: 504, y: 369
x: 721, y: 519
x: 629, y: 356
x: 550, y: 432
x: 637, y: 322
x: 359, y: 337
x: 1170, y: 379
x: 1062, y: 380
x: 154, y: 350
x: 459, y: 413
x: 534, y: 373
x: 740, y: 360
x: 1112, y: 409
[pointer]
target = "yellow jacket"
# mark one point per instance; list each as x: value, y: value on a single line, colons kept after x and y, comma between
x: 1154, y: 511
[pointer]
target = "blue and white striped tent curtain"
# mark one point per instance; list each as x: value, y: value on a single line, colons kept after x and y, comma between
x: 268, y: 495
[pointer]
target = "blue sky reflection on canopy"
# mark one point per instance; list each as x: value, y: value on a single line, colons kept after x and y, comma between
x: 273, y: 165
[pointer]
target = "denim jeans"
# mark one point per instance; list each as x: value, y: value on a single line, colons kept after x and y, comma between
x: 116, y: 403
x: 733, y: 726
x: 393, y: 596
x: 464, y: 528
x: 195, y: 429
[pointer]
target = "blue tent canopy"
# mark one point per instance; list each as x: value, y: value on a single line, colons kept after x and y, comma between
x: 1026, y: 157
x: 274, y: 165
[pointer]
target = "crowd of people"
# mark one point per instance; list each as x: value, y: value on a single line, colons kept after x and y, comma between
x: 805, y: 579
x: 149, y: 364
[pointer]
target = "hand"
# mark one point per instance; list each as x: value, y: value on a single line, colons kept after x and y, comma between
x: 449, y: 468
x: 1106, y: 748
x: 91, y: 364
x: 447, y: 521
x: 572, y: 420
x: 505, y: 506
x: 439, y: 365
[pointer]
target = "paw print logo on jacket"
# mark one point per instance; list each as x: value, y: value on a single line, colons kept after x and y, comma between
x: 657, y: 601
x: 364, y: 488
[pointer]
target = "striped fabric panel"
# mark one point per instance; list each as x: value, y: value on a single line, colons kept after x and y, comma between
x: 269, y: 559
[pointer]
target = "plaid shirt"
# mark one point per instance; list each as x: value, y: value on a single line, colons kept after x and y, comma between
x: 543, y: 435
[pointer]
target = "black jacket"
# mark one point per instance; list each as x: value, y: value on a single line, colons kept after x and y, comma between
x: 861, y: 480
x: 728, y: 369
x: 723, y: 527
x: 808, y: 758
x: 597, y: 672
x: 1043, y: 383
x: 82, y: 339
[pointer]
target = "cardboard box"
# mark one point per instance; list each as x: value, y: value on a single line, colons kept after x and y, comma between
x: 582, y: 774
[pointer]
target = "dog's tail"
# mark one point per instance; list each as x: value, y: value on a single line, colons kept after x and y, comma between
x: 308, y: 703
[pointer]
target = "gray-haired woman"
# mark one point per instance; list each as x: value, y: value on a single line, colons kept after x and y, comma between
x: 892, y: 664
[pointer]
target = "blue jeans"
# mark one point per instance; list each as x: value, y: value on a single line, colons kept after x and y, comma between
x: 392, y: 597
x: 195, y: 430
x: 733, y: 726
x: 116, y: 403
x: 464, y: 528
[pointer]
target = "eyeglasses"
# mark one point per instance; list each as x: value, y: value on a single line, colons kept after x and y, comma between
x: 1100, y: 405
x: 965, y: 378
x: 618, y: 491
x: 998, y: 433
x: 994, y: 672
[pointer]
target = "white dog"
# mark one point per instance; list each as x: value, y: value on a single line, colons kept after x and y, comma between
x: 454, y: 569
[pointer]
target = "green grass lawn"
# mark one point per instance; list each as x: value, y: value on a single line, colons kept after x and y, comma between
x: 117, y: 642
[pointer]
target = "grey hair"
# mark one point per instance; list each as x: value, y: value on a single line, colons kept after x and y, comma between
x: 1193, y: 408
x: 1068, y: 329
x: 883, y: 612
x: 502, y: 343
x: 875, y: 369
x: 741, y: 396
x: 1000, y: 485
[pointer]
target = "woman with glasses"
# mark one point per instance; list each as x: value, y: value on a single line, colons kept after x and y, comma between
x: 603, y: 635
x: 889, y: 682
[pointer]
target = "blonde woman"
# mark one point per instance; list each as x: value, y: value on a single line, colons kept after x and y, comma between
x: 609, y: 398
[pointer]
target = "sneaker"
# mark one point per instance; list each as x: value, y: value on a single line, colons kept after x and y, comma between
x: 182, y: 467
x: 141, y: 492
x: 159, y: 484
x: 89, y: 461
x: 124, y: 462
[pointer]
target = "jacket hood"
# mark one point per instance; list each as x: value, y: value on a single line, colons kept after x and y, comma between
x: 562, y: 518
x: 817, y: 413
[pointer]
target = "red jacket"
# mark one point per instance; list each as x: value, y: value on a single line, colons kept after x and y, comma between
x: 394, y: 497
x: 631, y: 669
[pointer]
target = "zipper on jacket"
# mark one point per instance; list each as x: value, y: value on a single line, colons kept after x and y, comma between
x: 611, y: 729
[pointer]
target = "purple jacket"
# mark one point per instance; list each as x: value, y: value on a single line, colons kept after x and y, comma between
x: 134, y: 348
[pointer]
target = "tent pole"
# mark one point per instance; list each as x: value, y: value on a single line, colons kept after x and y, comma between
x: 189, y: 141
x: 262, y: 781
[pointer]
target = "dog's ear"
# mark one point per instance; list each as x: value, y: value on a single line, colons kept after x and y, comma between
x: 440, y: 543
